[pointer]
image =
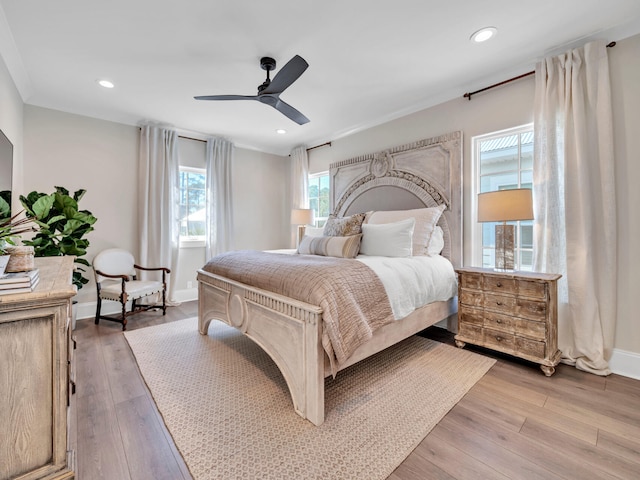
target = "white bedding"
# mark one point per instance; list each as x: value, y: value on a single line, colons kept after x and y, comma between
x: 412, y: 282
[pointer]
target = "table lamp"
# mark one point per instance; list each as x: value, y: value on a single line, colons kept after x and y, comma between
x: 302, y: 217
x: 505, y: 206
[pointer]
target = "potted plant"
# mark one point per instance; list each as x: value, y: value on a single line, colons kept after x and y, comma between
x: 10, y: 230
x: 62, y: 227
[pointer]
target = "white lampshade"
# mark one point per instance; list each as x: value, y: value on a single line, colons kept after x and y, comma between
x: 302, y: 216
x: 505, y: 205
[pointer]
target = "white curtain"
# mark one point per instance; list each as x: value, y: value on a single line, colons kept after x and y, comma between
x: 158, y: 222
x: 219, y: 196
x: 300, y: 177
x: 300, y: 183
x: 574, y: 200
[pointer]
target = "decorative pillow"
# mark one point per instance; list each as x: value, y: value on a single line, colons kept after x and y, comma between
x: 313, y: 231
x: 345, y: 226
x: 436, y: 242
x: 426, y: 220
x: 388, y: 239
x: 340, y: 247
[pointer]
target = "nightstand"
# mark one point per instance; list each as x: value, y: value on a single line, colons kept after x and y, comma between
x: 510, y: 312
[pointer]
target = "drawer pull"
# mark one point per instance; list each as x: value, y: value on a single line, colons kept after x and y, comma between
x: 498, y: 321
x: 499, y: 338
x: 499, y: 303
x: 499, y: 284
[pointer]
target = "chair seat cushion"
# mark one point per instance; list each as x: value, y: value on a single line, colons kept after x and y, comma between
x: 135, y: 289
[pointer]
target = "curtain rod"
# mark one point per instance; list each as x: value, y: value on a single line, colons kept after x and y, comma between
x: 200, y: 140
x: 469, y: 94
x: 191, y: 138
x: 321, y: 145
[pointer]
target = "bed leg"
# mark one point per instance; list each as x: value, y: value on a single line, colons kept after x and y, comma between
x: 314, y: 372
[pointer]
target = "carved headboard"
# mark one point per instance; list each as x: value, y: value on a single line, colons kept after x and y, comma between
x: 426, y: 173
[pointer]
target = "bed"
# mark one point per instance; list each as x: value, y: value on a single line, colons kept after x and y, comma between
x: 423, y: 174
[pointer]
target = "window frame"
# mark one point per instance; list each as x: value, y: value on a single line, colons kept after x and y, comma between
x: 315, y: 176
x: 191, y: 241
x: 476, y: 228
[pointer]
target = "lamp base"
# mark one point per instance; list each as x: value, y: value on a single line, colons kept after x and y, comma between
x: 505, y: 240
x: 301, y: 230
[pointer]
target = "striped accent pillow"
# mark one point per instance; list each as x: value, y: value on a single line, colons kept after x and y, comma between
x: 340, y: 247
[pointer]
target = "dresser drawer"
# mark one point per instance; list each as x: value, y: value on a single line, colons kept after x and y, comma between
x: 528, y: 288
x: 500, y: 284
x: 470, y: 315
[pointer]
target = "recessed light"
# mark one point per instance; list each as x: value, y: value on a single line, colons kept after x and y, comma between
x: 106, y: 83
x: 484, y: 34
x: 281, y: 131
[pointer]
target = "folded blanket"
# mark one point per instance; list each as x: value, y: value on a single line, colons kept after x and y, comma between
x: 352, y: 297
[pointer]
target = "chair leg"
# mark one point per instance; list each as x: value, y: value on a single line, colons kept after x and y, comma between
x: 164, y: 301
x: 124, y: 316
x: 98, y: 307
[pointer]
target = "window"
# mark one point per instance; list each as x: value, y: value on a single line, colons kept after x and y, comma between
x: 504, y: 160
x: 192, y: 204
x: 319, y: 197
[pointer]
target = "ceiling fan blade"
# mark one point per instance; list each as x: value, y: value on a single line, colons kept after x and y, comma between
x: 226, y: 97
x: 291, y: 112
x: 287, y: 75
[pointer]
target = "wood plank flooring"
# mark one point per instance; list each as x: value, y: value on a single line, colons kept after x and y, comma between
x: 515, y: 423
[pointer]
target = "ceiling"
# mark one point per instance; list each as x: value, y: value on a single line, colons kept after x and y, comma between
x: 370, y: 62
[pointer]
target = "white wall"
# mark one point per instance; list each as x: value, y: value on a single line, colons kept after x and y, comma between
x: 512, y: 105
x: 76, y: 152
x: 11, y: 121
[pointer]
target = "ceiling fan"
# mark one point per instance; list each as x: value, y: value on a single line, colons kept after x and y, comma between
x: 269, y: 91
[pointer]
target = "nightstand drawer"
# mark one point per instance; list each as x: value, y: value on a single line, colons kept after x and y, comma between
x: 500, y: 303
x: 527, y: 288
x: 470, y: 315
x: 470, y: 297
x: 471, y: 280
x: 499, y: 284
x: 530, y: 347
x: 472, y: 333
x: 500, y: 340
x: 497, y: 321
x: 530, y: 329
x: 532, y: 309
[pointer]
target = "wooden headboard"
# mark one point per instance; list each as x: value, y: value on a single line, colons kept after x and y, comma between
x: 422, y: 174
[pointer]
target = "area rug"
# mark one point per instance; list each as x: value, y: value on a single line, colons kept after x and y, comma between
x: 228, y: 407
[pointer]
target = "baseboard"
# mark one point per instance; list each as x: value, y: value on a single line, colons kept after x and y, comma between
x: 88, y: 309
x: 625, y: 363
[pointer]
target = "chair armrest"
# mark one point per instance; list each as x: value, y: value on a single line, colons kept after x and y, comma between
x: 102, y: 274
x: 150, y: 269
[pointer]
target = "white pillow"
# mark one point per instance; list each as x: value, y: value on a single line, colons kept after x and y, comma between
x: 436, y: 242
x: 388, y: 239
x: 426, y: 220
x: 313, y: 231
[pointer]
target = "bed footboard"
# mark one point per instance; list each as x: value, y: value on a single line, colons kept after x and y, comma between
x: 289, y: 331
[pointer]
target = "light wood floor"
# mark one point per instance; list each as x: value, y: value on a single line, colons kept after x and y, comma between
x: 515, y: 423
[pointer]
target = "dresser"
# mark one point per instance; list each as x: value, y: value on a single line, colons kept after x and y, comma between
x: 514, y: 313
x: 35, y: 376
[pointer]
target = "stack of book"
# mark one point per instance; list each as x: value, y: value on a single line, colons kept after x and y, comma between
x: 18, y: 282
